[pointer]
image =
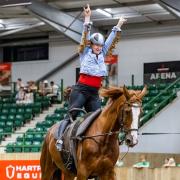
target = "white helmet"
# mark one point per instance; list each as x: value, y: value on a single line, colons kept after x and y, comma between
x: 97, y: 38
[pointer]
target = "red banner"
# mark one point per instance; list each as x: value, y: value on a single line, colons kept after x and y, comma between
x: 111, y: 59
x: 5, y: 73
x: 20, y: 169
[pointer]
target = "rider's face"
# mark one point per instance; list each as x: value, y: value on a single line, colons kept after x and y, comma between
x: 96, y: 48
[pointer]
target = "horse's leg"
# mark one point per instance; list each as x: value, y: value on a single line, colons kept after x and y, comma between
x: 57, y: 175
x: 110, y: 175
x: 82, y: 172
x: 47, y: 166
x: 68, y: 176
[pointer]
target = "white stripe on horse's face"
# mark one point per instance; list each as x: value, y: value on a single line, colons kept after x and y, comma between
x: 135, y: 115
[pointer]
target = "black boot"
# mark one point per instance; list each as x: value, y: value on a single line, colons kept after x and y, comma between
x: 59, y: 142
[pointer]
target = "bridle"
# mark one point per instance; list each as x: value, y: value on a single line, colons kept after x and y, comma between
x: 121, y: 119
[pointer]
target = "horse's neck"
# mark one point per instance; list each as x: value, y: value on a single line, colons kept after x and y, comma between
x: 108, y: 119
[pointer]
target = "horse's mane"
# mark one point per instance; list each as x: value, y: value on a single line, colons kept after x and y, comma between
x: 111, y: 92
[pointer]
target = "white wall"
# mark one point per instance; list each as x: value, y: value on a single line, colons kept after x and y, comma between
x: 132, y: 54
x: 33, y: 70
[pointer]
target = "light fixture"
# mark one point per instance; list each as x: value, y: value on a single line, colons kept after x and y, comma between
x: 104, y: 12
x: 12, y: 3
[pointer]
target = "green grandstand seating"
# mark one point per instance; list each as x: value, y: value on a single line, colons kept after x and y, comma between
x: 10, y: 148
x: 29, y: 137
x: 20, y: 110
x: 162, y: 86
x: 12, y: 111
x: 1, y: 134
x: 20, y: 139
x: 19, y: 120
x: 28, y: 113
x: 3, y: 117
x: 36, y: 108
x: 2, y: 124
x: 5, y: 111
x: 152, y: 87
x: 36, y: 146
x: 38, y: 137
x: 61, y: 111
x: 153, y: 93
x: 27, y: 146
x: 18, y: 146
x: 6, y: 105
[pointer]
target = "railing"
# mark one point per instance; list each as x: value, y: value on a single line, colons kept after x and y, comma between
x: 57, y: 68
x: 163, y: 91
x: 150, y: 114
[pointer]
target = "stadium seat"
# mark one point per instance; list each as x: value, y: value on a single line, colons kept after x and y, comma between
x: 12, y: 111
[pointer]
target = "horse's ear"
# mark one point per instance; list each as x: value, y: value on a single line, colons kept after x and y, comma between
x: 126, y: 93
x: 143, y: 92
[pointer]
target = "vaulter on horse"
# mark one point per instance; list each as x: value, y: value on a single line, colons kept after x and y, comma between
x: 92, y: 51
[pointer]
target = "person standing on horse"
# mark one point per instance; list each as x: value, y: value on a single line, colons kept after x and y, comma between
x: 93, y: 49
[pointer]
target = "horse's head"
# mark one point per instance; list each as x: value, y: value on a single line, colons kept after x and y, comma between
x: 128, y: 106
x: 131, y: 114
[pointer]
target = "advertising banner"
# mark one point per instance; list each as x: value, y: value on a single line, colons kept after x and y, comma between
x: 20, y: 169
x: 112, y: 66
x: 161, y: 72
x: 5, y: 73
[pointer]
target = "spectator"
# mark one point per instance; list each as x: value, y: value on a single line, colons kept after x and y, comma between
x: 67, y: 92
x: 41, y: 87
x: 32, y: 86
x: 20, y: 96
x: 53, y: 92
x: 44, y: 88
x: 119, y: 163
x: 29, y: 96
x: 19, y: 84
x: 169, y: 162
x: 143, y: 163
x: 113, y: 74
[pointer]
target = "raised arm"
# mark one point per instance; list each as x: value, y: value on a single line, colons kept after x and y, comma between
x: 113, y: 37
x: 86, y: 29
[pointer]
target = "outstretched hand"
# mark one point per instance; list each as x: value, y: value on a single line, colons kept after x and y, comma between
x: 87, y: 11
x: 121, y: 21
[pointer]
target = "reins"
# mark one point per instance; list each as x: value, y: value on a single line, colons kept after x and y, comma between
x: 81, y: 138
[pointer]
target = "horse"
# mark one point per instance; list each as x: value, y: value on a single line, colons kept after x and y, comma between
x: 98, y: 151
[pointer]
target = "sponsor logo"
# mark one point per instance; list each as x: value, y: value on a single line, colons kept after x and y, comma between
x: 10, y: 170
x: 19, y: 169
x: 167, y: 75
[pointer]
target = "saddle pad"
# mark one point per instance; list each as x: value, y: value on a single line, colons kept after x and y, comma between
x: 87, y: 122
x: 56, y: 133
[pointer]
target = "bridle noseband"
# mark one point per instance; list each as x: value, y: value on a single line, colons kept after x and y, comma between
x: 122, y: 118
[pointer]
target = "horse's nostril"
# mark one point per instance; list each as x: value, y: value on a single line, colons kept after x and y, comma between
x: 129, y: 140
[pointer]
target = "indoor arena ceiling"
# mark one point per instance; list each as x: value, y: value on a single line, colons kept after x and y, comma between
x: 24, y: 17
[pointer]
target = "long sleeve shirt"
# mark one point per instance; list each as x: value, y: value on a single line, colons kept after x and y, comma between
x: 92, y: 64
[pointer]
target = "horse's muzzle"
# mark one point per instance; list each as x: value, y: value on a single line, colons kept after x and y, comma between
x: 129, y: 140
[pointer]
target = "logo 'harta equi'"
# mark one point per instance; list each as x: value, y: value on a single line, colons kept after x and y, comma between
x: 23, y: 172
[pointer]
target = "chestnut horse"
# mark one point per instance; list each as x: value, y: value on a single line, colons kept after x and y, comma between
x: 97, y: 154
